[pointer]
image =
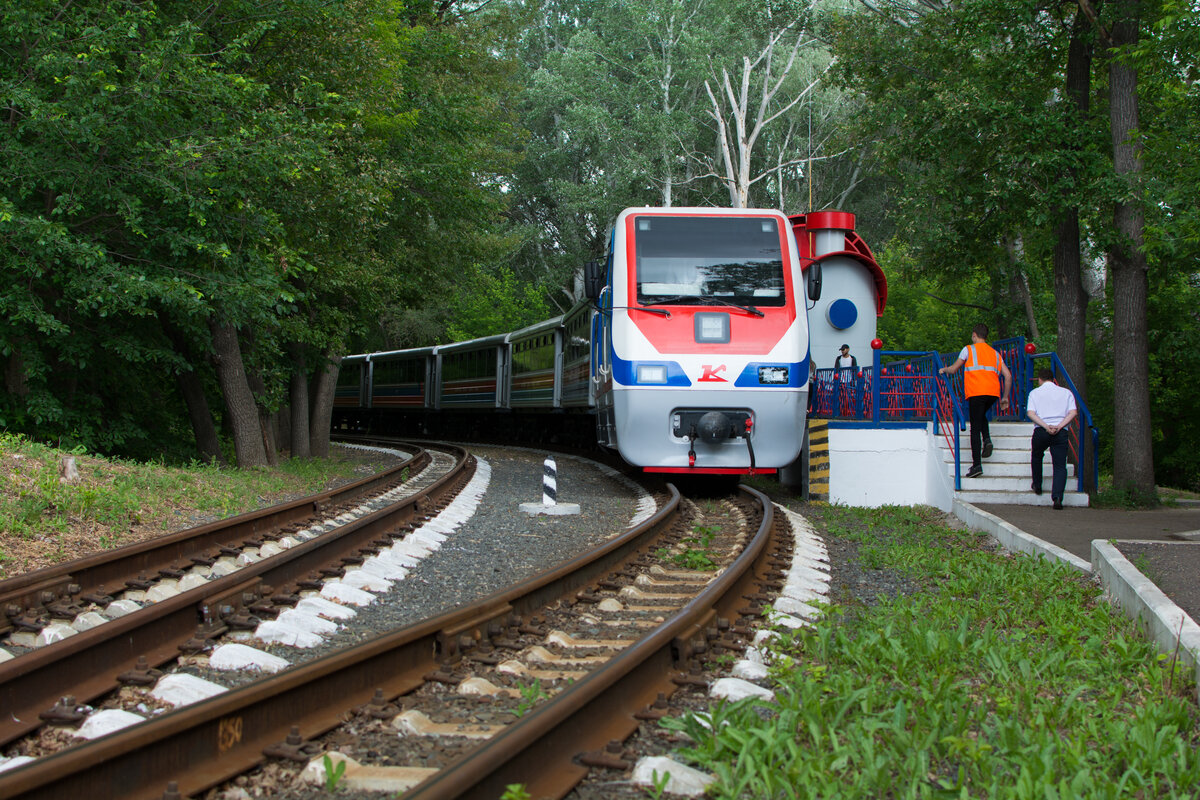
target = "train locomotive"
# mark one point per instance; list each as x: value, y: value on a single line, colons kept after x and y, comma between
x: 689, y: 355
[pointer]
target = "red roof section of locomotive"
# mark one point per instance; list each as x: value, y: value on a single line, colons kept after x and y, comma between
x: 856, y: 248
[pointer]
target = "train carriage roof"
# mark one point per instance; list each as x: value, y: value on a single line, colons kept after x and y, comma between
x: 482, y: 343
x: 400, y: 355
x: 536, y: 329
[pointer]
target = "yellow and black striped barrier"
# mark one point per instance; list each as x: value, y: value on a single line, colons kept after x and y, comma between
x: 818, y: 460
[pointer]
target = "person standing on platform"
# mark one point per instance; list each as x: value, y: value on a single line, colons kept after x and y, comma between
x: 845, y: 360
x: 982, y: 386
x: 1051, y: 407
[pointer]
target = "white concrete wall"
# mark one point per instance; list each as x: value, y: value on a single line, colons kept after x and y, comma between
x: 879, y: 466
x: 940, y: 489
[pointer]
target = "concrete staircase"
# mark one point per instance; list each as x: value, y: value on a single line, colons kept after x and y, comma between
x: 1006, y: 475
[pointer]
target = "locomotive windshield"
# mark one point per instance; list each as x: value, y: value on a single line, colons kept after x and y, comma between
x: 701, y: 260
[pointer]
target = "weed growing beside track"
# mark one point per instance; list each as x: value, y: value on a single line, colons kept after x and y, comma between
x: 987, y: 674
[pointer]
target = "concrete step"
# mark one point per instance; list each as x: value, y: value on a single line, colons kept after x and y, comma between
x: 1006, y: 474
x: 997, y: 457
x: 1026, y: 498
x: 992, y: 482
x: 992, y: 468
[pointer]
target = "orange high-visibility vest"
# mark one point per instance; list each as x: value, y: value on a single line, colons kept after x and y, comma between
x: 981, y: 374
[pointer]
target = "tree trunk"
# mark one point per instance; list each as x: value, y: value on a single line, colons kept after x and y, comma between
x: 281, y: 421
x: 1018, y: 284
x: 14, y: 373
x: 207, y: 442
x: 191, y: 389
x: 1133, y: 462
x: 322, y: 406
x: 1070, y: 299
x: 241, y: 410
x: 266, y: 420
x: 298, y: 402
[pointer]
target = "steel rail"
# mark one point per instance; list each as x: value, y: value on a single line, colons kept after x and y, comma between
x: 202, y: 745
x: 108, y: 571
x: 88, y: 664
x: 539, y: 750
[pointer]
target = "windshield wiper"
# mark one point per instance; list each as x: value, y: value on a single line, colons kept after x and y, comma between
x: 706, y: 301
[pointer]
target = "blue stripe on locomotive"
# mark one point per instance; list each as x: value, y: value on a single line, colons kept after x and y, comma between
x: 797, y: 375
x: 625, y: 373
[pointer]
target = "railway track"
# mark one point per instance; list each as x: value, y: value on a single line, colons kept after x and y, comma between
x: 138, y: 607
x: 603, y: 639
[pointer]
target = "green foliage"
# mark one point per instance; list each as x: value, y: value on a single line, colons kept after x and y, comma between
x: 516, y: 791
x: 333, y: 773
x: 164, y: 165
x: 493, y: 302
x: 1002, y: 676
x: 531, y: 695
x: 1127, y: 497
x: 915, y: 319
x: 962, y: 109
x: 660, y: 785
x: 1173, y: 324
x: 697, y: 553
x: 617, y: 115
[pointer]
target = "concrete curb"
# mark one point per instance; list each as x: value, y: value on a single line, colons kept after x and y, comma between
x: 1013, y: 538
x: 1164, y: 622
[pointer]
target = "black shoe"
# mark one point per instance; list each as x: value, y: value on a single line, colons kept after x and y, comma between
x: 987, y: 449
x: 1036, y: 489
x: 1058, y: 505
x: 975, y: 472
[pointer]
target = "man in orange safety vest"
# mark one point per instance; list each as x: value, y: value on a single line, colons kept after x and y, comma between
x: 981, y: 385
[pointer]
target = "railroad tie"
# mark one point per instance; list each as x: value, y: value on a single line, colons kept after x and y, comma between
x: 415, y: 723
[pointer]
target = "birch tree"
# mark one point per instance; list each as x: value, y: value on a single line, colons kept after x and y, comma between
x: 762, y: 90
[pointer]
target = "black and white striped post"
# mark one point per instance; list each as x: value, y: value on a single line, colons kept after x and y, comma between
x: 550, y: 505
x: 549, y: 482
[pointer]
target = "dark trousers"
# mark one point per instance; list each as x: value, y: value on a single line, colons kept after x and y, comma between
x: 1057, y: 444
x: 977, y: 409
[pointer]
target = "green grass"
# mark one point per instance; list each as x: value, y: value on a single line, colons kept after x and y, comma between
x: 114, y: 497
x: 1111, y: 496
x: 1004, y: 676
x: 697, y: 553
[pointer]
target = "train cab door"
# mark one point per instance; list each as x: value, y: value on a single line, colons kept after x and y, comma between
x: 366, y: 379
x: 560, y: 336
x: 503, y: 375
x: 606, y: 433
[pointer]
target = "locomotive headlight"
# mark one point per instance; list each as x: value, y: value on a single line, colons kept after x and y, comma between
x: 712, y: 328
x: 651, y: 373
x: 773, y: 375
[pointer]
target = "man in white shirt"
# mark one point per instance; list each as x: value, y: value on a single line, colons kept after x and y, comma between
x: 1051, y: 407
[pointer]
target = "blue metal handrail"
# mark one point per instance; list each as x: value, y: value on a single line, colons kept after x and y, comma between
x: 956, y: 419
